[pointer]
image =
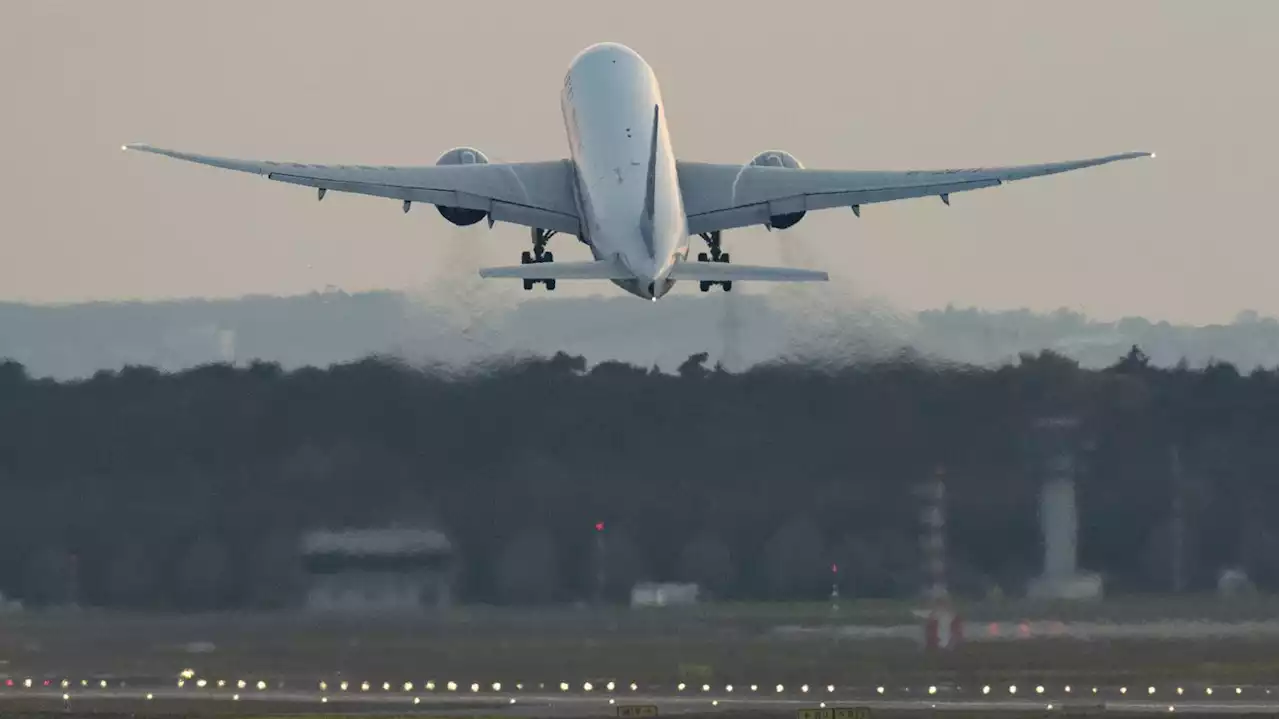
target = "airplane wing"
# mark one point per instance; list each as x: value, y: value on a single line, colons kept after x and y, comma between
x: 722, y: 197
x: 533, y: 194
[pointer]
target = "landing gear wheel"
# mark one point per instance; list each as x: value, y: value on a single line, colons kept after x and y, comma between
x: 539, y: 253
x: 713, y: 243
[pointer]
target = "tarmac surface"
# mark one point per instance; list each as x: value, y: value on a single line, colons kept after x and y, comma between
x: 142, y: 698
x: 520, y: 665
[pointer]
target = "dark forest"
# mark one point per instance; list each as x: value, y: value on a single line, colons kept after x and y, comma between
x: 188, y: 490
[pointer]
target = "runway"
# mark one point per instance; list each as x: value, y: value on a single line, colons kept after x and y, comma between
x: 587, y: 700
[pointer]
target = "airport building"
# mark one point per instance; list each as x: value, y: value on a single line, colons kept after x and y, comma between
x: 650, y: 594
x: 384, y: 570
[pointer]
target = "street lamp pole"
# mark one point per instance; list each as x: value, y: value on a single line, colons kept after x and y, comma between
x: 599, y: 560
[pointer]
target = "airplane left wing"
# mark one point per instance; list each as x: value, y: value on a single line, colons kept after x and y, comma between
x: 722, y: 197
x: 533, y: 194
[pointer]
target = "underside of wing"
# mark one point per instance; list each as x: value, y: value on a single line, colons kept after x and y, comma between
x: 721, y: 197
x: 533, y: 194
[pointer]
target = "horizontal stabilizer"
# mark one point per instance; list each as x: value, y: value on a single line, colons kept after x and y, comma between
x: 600, y: 270
x: 723, y: 271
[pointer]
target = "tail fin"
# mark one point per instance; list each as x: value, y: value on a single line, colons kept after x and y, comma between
x: 651, y: 180
x: 721, y: 272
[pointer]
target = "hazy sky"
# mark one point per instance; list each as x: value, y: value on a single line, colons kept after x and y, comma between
x: 1189, y: 236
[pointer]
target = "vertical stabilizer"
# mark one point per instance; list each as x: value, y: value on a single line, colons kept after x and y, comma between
x: 651, y: 180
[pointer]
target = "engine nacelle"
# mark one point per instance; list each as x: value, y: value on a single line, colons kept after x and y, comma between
x: 461, y: 216
x: 780, y: 158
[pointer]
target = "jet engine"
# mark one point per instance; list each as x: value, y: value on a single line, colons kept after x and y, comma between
x: 780, y: 158
x: 461, y: 216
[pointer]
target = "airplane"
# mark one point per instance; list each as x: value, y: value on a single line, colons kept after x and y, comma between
x: 624, y: 194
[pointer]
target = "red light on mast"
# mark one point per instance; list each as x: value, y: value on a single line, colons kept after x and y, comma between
x: 834, y: 569
x: 599, y: 526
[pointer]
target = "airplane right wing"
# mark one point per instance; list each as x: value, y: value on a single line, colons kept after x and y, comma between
x: 722, y: 197
x: 533, y: 194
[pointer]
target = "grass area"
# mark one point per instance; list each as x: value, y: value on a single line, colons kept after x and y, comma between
x: 882, y: 612
x: 484, y: 645
x: 736, y: 615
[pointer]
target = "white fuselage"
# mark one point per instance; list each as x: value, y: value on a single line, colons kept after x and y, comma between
x: 608, y: 102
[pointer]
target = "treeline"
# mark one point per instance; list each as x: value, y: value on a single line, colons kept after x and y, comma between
x: 188, y: 490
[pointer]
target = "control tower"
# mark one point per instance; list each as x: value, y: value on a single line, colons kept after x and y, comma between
x: 1055, y: 439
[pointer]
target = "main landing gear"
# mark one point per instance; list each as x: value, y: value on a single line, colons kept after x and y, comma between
x: 539, y: 254
x: 713, y: 243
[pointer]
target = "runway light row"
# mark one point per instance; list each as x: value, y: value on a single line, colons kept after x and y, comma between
x: 715, y: 702
x: 611, y: 686
x: 1151, y: 690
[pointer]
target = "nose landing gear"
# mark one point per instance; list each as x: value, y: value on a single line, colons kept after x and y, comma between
x: 716, y: 255
x: 540, y: 254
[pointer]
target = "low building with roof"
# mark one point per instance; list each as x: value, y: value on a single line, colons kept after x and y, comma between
x: 393, y: 569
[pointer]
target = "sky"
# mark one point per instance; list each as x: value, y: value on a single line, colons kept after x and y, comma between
x: 1190, y: 236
